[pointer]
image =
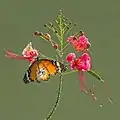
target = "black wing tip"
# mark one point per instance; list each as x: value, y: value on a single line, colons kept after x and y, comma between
x: 26, y: 78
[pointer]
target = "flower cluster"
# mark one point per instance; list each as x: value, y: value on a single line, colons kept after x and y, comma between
x: 81, y: 63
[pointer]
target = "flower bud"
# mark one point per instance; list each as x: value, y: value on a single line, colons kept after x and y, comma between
x: 81, y: 33
x: 50, y: 23
x: 47, y: 36
x: 45, y: 25
x: 37, y: 33
x: 68, y: 28
x: 75, y: 24
x: 55, y: 45
x: 56, y: 31
x: 88, y: 45
x: 70, y: 23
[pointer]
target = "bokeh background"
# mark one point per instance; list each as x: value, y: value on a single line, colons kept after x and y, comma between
x: 99, y: 19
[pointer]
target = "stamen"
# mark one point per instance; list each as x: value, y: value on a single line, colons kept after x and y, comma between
x: 90, y: 92
x: 101, y: 105
x: 108, y: 92
x: 82, y: 80
x: 110, y: 100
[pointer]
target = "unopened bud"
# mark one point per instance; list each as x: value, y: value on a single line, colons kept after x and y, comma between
x: 45, y: 25
x: 101, y: 105
x: 75, y: 24
x: 75, y: 38
x: 37, y: 33
x: 47, y: 36
x: 88, y: 45
x: 67, y: 27
x: 50, y: 24
x: 70, y: 23
x: 66, y: 18
x: 56, y: 46
x: 61, y: 11
x: 81, y: 33
x: 56, y: 31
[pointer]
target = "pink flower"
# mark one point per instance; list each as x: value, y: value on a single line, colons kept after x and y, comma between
x: 70, y: 39
x: 70, y: 57
x: 28, y: 54
x: 79, y: 43
x: 82, y: 63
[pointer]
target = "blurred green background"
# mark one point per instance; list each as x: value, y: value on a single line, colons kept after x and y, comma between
x: 99, y: 19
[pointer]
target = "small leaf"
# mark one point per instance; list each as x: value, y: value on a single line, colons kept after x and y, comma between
x: 93, y: 73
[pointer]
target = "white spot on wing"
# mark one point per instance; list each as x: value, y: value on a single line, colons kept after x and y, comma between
x: 40, y: 73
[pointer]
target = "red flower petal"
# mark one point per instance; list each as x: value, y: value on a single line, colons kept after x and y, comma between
x: 70, y: 57
x: 79, y: 43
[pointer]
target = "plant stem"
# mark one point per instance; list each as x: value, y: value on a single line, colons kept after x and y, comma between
x: 61, y: 34
x: 65, y: 47
x: 46, y: 56
x: 60, y: 54
x: 66, y: 73
x: 57, y: 100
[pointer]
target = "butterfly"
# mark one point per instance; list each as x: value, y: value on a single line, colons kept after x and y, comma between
x: 42, y: 69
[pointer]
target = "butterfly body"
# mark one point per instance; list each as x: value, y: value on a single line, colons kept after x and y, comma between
x: 42, y: 69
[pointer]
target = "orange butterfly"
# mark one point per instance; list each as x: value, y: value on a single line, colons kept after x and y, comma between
x: 42, y: 69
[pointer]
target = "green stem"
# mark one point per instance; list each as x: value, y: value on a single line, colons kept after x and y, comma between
x: 66, y: 46
x: 46, y: 56
x: 66, y: 73
x: 57, y: 100
x: 60, y: 53
x: 61, y: 34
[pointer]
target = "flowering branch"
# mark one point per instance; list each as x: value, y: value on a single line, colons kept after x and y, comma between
x: 77, y: 63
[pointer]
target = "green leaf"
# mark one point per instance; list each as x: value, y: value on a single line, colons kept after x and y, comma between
x: 94, y: 74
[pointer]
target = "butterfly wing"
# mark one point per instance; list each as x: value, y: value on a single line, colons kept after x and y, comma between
x: 50, y: 66
x: 40, y: 70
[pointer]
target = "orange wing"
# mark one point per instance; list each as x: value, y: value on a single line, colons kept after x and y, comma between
x: 42, y: 70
